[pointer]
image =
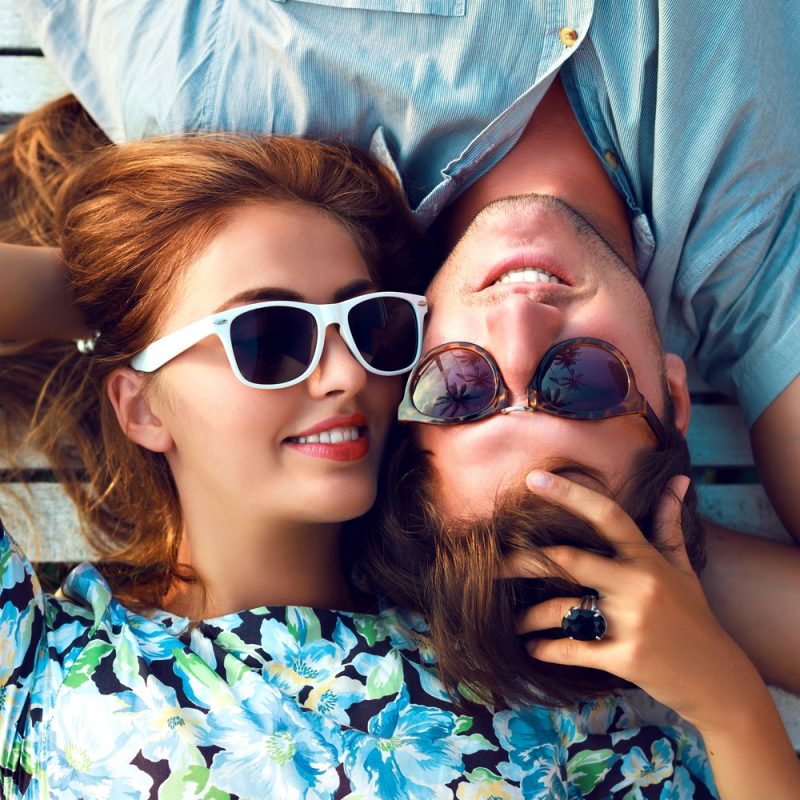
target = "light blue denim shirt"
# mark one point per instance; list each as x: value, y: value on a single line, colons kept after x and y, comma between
x: 693, y: 108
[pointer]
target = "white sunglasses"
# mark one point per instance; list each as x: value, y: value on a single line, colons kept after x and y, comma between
x: 278, y: 343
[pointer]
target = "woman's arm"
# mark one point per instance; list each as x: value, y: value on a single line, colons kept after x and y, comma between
x: 775, y: 437
x: 663, y: 637
x: 34, y: 301
x: 753, y: 586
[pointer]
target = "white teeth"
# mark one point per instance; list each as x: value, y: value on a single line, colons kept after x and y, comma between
x: 528, y: 275
x: 333, y: 436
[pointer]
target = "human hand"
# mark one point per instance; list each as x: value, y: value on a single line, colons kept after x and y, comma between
x: 35, y: 302
x: 662, y: 635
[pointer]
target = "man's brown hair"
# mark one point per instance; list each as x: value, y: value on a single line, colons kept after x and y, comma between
x: 449, y: 570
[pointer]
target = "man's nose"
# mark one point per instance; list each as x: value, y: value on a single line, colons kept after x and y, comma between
x: 520, y: 332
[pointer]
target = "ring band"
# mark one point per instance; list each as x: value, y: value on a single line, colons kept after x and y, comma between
x: 585, y: 622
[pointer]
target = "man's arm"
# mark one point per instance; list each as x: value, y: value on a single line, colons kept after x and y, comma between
x: 34, y: 302
x: 775, y: 437
x: 753, y: 585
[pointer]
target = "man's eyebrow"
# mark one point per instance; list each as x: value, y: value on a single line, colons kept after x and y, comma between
x: 560, y: 466
x: 264, y: 294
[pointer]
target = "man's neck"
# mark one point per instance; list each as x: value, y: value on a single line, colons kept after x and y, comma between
x: 552, y: 157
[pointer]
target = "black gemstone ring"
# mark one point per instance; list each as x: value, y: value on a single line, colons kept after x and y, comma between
x: 585, y: 622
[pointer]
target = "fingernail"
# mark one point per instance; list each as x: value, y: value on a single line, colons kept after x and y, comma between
x: 540, y: 480
x: 680, y: 485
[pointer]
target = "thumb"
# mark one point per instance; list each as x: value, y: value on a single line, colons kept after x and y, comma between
x: 667, y: 530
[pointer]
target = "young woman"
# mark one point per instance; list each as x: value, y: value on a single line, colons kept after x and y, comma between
x: 230, y: 414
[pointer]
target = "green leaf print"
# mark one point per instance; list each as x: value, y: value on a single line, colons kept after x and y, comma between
x: 463, y: 724
x: 234, y: 669
x: 126, y: 665
x: 87, y: 662
x: 206, y: 683
x: 184, y: 784
x: 367, y: 628
x: 303, y: 624
x: 216, y: 794
x: 386, y: 678
x: 589, y: 767
x: 482, y: 775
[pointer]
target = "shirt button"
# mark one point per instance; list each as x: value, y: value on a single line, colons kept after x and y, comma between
x: 610, y: 157
x: 568, y: 36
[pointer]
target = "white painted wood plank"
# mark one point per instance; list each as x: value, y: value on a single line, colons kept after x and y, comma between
x: 742, y: 507
x: 718, y: 436
x: 43, y: 521
x: 14, y: 33
x: 26, y: 459
x: 27, y: 82
x: 789, y: 707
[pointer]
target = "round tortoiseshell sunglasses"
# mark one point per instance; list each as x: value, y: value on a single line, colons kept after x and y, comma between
x: 459, y: 382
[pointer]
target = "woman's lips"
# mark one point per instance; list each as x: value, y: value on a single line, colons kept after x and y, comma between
x: 338, y: 439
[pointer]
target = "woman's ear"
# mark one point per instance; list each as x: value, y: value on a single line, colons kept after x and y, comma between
x: 135, y: 415
x: 678, y: 387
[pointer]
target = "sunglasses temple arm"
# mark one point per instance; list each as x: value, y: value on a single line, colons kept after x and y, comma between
x: 655, y: 424
x: 161, y: 351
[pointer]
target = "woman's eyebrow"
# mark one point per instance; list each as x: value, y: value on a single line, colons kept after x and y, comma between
x: 264, y: 294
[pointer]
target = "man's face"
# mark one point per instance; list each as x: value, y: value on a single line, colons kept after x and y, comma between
x: 530, y: 272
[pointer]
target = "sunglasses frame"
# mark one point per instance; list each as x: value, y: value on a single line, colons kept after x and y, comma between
x: 634, y: 402
x: 163, y: 350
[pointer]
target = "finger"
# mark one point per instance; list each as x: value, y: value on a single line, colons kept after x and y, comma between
x: 546, y: 615
x: 601, y: 512
x: 569, y: 652
x: 581, y: 566
x: 667, y: 529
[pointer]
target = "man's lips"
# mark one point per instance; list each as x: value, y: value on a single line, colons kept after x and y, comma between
x: 527, y: 268
x: 528, y: 275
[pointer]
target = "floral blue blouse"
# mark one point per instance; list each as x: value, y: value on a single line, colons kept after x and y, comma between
x: 99, y: 702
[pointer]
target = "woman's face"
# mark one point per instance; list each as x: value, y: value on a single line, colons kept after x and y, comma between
x: 238, y: 449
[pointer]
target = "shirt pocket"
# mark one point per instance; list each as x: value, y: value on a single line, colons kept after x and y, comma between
x: 439, y: 8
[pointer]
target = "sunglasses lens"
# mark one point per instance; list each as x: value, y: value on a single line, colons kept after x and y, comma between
x: 273, y: 345
x: 386, y: 332
x: 583, y: 378
x: 453, y: 384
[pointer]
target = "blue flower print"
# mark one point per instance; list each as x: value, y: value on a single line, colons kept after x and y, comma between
x: 691, y: 751
x: 12, y: 701
x: 639, y: 770
x: 485, y: 785
x: 530, y: 737
x: 270, y: 749
x: 681, y: 787
x: 299, y: 663
x: 334, y: 696
x: 12, y: 564
x: 523, y: 732
x: 411, y: 752
x: 545, y: 779
x: 93, y: 760
x: 168, y: 732
x: 15, y: 633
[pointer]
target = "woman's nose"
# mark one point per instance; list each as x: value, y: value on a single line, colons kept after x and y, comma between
x: 338, y: 370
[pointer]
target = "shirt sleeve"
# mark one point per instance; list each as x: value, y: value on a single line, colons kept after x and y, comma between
x: 22, y: 635
x: 133, y: 66
x: 750, y: 345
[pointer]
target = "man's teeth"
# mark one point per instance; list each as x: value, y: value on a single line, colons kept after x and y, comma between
x: 527, y: 275
x: 333, y: 436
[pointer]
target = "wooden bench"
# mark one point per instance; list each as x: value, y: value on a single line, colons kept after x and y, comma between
x: 730, y: 492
